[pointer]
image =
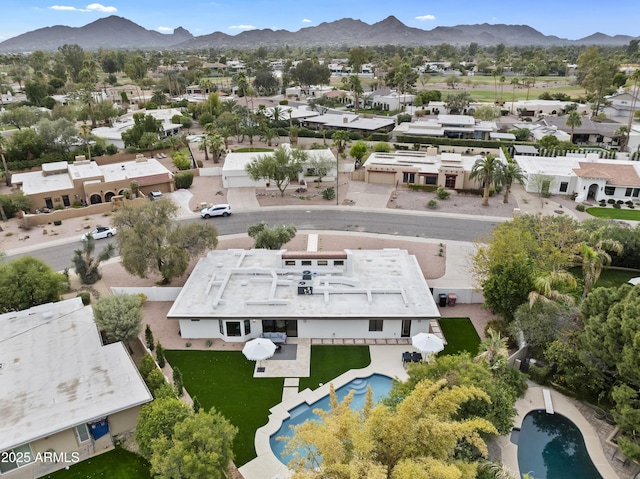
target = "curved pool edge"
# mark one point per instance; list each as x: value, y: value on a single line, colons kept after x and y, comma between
x: 266, y: 464
x: 533, y: 401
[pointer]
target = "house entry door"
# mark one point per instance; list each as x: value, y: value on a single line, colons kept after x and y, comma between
x: 406, y: 328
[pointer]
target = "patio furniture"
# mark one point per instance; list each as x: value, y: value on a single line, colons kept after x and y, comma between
x: 416, y: 357
x: 406, y: 357
x: 275, y: 337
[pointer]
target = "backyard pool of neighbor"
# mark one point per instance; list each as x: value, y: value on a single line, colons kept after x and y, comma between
x: 380, y: 386
x: 550, y: 446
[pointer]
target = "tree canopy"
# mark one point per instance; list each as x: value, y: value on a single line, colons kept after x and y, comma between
x: 27, y: 282
x: 150, y: 241
x: 119, y: 316
x: 280, y: 167
x: 271, y: 237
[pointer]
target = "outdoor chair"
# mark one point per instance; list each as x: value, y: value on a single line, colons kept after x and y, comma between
x: 416, y: 357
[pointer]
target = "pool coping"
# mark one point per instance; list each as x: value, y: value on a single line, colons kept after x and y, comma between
x: 385, y: 360
x: 533, y: 400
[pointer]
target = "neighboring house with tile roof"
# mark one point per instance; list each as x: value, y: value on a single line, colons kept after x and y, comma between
x: 64, y: 396
x: 585, y: 176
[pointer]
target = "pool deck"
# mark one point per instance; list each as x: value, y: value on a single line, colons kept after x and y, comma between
x: 385, y: 359
x: 534, y: 400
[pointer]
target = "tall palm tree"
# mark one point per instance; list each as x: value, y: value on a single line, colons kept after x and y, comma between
x: 635, y: 76
x: 511, y: 172
x: 216, y: 145
x: 488, y: 171
x: 515, y: 81
x: 7, y: 174
x: 594, y: 255
x: 85, y: 132
x: 573, y: 120
x: 546, y: 288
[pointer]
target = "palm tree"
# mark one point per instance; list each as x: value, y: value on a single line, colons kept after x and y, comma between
x: 85, y: 132
x: 216, y: 144
x: 277, y: 113
x: 489, y: 171
x: 573, y: 120
x: 268, y: 134
x: 515, y: 82
x: 546, y: 288
x: 594, y: 255
x: 511, y: 172
x: 635, y: 76
x: 493, y: 348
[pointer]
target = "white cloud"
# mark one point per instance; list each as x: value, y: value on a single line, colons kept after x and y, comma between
x: 423, y: 18
x: 94, y: 7
x: 306, y: 20
x: 165, y: 29
x: 242, y: 27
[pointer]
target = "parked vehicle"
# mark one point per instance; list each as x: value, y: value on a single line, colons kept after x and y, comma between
x: 155, y: 195
x: 100, y: 232
x: 216, y: 210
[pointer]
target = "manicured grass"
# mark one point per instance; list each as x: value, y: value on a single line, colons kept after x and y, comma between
x: 224, y: 380
x: 329, y: 362
x: 615, y: 213
x: 461, y: 336
x: 115, y: 464
x: 608, y: 278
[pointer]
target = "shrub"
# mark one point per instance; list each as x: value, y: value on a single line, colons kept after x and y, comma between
x: 177, y: 381
x: 199, y: 163
x: 147, y: 364
x: 443, y: 193
x: 184, y: 180
x: 382, y: 147
x: 181, y: 161
x: 580, y: 208
x: 329, y: 193
x: 85, y: 296
x: 148, y: 337
x: 619, y: 202
x: 155, y: 380
x: 539, y: 374
x: 631, y: 207
x: 284, y: 102
x: 160, y: 355
x: 617, y: 205
x: 432, y: 204
x: 611, y: 201
x: 428, y: 188
x: 404, y: 118
x: 57, y: 222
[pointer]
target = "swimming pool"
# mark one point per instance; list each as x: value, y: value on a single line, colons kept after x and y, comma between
x: 550, y: 446
x: 380, y: 386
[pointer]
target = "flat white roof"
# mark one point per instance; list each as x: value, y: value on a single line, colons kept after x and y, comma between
x: 235, y: 162
x: 256, y: 284
x: 56, y: 374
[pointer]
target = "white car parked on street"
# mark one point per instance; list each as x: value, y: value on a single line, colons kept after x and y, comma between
x: 100, y: 232
x: 216, y: 210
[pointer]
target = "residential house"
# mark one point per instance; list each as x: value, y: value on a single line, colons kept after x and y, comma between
x: 237, y: 295
x: 365, y: 124
x: 113, y: 133
x: 591, y: 133
x: 585, y: 176
x: 62, y: 184
x: 537, y: 108
x: 65, y: 396
x: 234, y: 173
x: 449, y: 126
x: 622, y: 104
x: 450, y: 170
x: 391, y: 101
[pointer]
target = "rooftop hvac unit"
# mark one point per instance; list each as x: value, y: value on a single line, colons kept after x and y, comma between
x: 304, y: 288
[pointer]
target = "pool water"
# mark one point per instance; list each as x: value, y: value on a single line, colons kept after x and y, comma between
x: 550, y: 446
x: 380, y: 386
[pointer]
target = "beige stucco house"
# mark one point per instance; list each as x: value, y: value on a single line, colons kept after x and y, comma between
x: 64, y: 396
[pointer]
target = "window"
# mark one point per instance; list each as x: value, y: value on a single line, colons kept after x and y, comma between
x: 431, y: 179
x: 233, y: 328
x: 15, y: 458
x: 450, y: 181
x: 636, y: 192
x: 306, y: 262
x: 375, y: 324
x: 628, y: 192
x: 221, y: 327
x: 338, y: 262
x: 82, y: 433
x: 65, y: 201
x: 323, y: 262
x: 247, y: 327
x: 609, y: 190
x: 290, y: 262
x: 564, y: 186
x: 408, y: 177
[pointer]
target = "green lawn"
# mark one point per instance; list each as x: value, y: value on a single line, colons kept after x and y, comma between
x: 224, y: 379
x: 615, y: 213
x: 115, y: 464
x: 329, y: 362
x: 253, y: 150
x: 608, y: 278
x: 461, y: 336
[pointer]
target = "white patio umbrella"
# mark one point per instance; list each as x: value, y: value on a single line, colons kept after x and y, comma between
x: 259, y: 349
x: 427, y: 343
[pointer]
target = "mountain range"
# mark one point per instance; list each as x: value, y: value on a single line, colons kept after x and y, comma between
x: 115, y: 32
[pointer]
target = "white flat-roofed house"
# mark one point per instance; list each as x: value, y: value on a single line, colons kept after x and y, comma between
x: 582, y: 175
x: 449, y: 126
x: 237, y: 295
x: 61, y: 389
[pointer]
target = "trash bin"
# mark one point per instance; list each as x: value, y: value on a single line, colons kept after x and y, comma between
x: 443, y: 300
x: 452, y: 299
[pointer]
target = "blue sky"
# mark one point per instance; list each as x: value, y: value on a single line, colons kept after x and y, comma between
x: 571, y: 19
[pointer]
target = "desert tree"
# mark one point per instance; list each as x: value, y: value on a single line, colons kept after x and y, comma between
x: 87, y: 265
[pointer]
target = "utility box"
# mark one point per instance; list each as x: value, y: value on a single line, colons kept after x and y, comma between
x: 452, y: 298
